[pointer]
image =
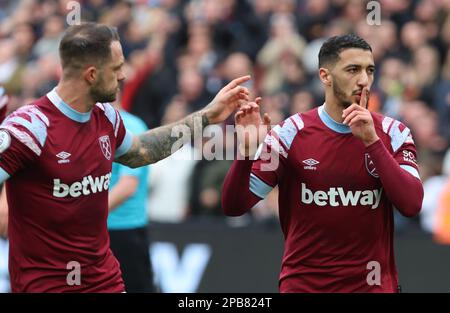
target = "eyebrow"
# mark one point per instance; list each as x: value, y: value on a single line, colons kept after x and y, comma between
x: 118, y: 66
x: 359, y: 66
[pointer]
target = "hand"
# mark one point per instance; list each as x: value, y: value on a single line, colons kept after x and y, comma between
x: 227, y: 100
x: 251, y: 129
x: 360, y: 120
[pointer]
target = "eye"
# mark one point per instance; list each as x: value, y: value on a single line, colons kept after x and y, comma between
x: 352, y: 70
x: 371, y: 70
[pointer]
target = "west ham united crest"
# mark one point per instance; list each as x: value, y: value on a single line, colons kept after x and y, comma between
x: 105, y: 146
x: 370, y: 166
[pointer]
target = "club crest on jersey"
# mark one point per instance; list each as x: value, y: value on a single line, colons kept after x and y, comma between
x: 105, y: 146
x: 370, y: 166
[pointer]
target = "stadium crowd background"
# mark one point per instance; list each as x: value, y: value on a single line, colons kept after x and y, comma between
x: 179, y: 53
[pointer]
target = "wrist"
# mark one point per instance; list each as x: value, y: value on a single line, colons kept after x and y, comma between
x: 371, y: 141
x: 206, y: 117
x: 246, y: 152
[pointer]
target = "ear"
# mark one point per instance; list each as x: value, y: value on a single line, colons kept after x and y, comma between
x: 325, y: 76
x: 90, y: 74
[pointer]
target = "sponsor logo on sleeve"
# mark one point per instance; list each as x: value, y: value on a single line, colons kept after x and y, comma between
x: 408, y: 156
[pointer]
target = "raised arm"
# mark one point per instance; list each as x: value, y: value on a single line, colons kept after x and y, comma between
x: 402, y: 184
x: 238, y: 194
x: 159, y: 143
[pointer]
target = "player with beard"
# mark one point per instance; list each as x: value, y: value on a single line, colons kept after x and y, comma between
x: 56, y: 156
x: 341, y: 171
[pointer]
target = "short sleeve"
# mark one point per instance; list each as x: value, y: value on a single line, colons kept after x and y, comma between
x: 124, y: 137
x: 22, y: 137
x: 271, y: 158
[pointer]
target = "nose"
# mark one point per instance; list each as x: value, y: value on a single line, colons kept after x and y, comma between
x: 121, y: 76
x: 363, y: 79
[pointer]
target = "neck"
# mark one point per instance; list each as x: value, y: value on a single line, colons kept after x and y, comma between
x: 333, y: 108
x: 75, y: 95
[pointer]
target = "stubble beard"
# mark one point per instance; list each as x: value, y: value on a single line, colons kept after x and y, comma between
x: 100, y: 95
x: 341, y: 97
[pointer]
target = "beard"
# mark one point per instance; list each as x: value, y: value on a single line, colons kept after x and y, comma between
x: 99, y: 94
x: 342, y: 98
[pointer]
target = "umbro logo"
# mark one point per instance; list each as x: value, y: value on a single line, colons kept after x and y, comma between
x: 310, y: 164
x: 63, y: 157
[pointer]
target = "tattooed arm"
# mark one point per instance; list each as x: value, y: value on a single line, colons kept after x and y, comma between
x: 158, y: 143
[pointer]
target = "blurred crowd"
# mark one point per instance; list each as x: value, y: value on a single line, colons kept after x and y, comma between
x: 179, y: 53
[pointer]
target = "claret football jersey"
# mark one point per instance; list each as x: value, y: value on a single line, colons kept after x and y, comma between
x: 59, y: 162
x: 336, y: 218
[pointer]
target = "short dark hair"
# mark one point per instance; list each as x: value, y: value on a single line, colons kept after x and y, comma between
x: 330, y: 50
x: 87, y: 42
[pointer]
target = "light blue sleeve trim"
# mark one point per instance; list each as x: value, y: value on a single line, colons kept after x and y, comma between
x: 286, y: 133
x: 3, y: 175
x: 110, y: 113
x: 258, y: 187
x: 398, y: 137
x: 126, y: 144
x: 36, y: 126
x: 411, y: 170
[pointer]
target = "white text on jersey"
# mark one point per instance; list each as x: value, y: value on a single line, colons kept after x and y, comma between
x: 336, y: 196
x: 85, y: 187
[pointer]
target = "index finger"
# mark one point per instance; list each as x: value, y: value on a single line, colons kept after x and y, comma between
x: 236, y: 82
x: 351, y: 108
x: 364, y: 98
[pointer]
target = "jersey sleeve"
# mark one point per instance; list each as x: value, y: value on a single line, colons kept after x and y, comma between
x: 402, y: 144
x: 124, y: 137
x: 271, y: 158
x: 4, y: 99
x: 22, y: 138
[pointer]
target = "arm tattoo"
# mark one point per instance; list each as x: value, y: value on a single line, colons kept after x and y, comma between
x: 159, y: 143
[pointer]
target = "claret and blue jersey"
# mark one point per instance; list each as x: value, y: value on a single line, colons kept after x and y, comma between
x: 334, y: 212
x: 59, y: 162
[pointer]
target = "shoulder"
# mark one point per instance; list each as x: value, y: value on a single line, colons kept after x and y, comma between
x: 282, y: 135
x: 394, y: 131
x: 29, y: 124
x: 107, y: 110
x: 296, y: 123
x: 110, y: 113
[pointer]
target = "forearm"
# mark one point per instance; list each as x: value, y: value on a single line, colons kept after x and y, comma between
x: 159, y: 143
x: 236, y: 195
x: 122, y: 191
x: 116, y: 199
x: 403, y: 189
